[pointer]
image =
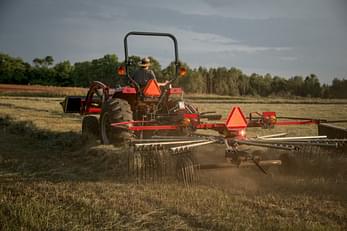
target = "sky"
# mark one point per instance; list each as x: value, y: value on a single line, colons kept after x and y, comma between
x: 280, y: 37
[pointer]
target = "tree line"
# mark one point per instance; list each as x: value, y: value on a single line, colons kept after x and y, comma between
x: 221, y: 80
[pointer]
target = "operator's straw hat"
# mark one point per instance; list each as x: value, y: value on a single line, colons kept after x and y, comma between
x: 145, y: 62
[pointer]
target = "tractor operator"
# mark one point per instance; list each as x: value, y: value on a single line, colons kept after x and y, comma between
x: 143, y: 74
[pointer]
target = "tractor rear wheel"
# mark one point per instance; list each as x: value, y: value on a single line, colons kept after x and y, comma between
x: 115, y: 111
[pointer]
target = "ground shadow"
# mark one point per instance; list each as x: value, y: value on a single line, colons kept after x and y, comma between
x: 37, y: 154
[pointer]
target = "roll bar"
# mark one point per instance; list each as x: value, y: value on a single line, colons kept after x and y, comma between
x: 157, y: 34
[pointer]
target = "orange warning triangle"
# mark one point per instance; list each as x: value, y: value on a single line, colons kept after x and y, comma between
x: 236, y: 119
x: 152, y: 88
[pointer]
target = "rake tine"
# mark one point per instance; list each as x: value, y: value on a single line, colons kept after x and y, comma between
x: 149, y: 167
x: 186, y: 170
x: 141, y: 166
x: 153, y: 165
x: 129, y: 162
x: 186, y: 173
x: 191, y: 172
x: 161, y: 164
x: 144, y: 160
x: 196, y: 169
x: 183, y: 176
x: 132, y: 163
x: 158, y: 163
x: 145, y: 165
x: 165, y: 163
x: 137, y: 161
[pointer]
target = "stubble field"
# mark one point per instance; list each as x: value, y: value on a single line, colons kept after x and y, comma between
x: 51, y: 180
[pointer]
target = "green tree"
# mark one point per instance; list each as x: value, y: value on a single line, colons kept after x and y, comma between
x: 260, y: 85
x: 201, y: 80
x: 312, y: 86
x: 63, y: 75
x: 169, y: 72
x: 338, y: 88
x: 233, y: 77
x: 296, y: 86
x: 42, y: 76
x: 13, y: 70
x: 45, y: 62
x: 279, y: 86
x: 38, y: 62
x: 103, y: 69
x: 194, y: 82
x: 81, y: 74
x: 48, y: 60
x: 325, y: 91
x: 244, y: 85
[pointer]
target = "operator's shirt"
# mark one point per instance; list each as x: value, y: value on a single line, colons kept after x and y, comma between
x: 141, y: 76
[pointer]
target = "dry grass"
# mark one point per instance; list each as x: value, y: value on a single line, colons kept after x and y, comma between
x: 38, y: 90
x: 50, y: 179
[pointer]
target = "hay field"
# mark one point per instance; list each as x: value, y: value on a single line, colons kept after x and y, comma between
x: 51, y: 180
x: 38, y: 90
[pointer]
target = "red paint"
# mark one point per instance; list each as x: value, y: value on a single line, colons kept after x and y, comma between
x: 269, y: 113
x: 191, y: 116
x: 93, y: 110
x: 297, y: 122
x: 128, y: 90
x: 130, y: 122
x: 175, y: 91
x: 153, y: 127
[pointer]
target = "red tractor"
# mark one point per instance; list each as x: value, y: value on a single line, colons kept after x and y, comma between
x: 156, y: 107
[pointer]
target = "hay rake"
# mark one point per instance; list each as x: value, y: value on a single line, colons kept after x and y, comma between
x: 137, y: 115
x: 173, y: 157
x: 169, y: 157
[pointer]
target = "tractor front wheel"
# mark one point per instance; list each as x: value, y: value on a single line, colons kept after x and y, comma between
x: 115, y: 111
x: 90, y: 127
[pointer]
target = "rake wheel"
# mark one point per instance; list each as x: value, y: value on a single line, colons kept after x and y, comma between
x: 149, y: 165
